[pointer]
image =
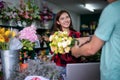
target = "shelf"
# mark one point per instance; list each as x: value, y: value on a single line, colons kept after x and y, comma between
x: 16, y: 27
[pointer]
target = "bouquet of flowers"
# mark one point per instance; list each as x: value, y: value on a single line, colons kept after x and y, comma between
x: 25, y: 14
x: 28, y: 37
x: 6, y: 35
x: 61, y: 42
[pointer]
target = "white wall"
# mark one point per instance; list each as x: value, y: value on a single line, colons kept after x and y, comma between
x: 76, y: 21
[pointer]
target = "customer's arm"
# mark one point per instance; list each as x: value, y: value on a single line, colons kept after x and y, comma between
x: 89, y: 48
x: 83, y: 40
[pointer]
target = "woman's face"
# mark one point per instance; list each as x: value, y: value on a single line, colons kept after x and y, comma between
x: 64, y: 20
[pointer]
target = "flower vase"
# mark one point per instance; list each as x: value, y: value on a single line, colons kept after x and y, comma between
x: 10, y: 63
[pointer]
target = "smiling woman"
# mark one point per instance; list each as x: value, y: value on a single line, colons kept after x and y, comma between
x: 63, y: 23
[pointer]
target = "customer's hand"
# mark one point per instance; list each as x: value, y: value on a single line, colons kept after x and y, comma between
x: 74, y: 50
x: 82, y: 41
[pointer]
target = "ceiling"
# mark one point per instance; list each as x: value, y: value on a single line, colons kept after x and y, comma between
x: 74, y: 5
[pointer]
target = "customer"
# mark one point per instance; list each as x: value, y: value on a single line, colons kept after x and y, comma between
x: 63, y: 22
x: 107, y: 37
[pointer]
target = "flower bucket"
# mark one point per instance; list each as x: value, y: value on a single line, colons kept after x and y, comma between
x: 10, y: 63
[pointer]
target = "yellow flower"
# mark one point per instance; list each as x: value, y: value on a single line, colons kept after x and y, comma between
x: 2, y: 38
x: 53, y: 48
x: 5, y: 37
x: 61, y: 50
x: 10, y: 33
x: 7, y: 33
x: 67, y: 49
x: 2, y: 30
x: 13, y: 34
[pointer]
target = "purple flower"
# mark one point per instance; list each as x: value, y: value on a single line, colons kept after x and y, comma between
x: 1, y: 4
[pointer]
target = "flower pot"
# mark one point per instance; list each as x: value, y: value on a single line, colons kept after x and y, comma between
x: 10, y: 63
x: 23, y: 66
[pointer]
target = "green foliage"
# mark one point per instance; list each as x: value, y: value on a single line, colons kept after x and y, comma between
x: 27, y: 45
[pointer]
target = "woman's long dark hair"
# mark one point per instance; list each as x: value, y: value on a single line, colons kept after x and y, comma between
x: 57, y: 27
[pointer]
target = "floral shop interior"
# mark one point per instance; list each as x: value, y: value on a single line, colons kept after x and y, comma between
x: 29, y: 52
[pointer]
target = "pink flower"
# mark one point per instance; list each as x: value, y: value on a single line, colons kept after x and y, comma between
x: 26, y: 15
x: 28, y: 33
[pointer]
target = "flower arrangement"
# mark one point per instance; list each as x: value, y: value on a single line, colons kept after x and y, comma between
x: 10, y: 14
x: 61, y: 42
x: 28, y: 37
x: 5, y: 37
x: 23, y: 15
x: 46, y: 14
x: 29, y: 11
x: 7, y: 13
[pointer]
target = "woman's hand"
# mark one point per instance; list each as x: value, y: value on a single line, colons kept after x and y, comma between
x: 46, y: 38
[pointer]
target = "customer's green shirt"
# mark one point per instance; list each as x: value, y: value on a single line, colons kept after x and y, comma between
x: 109, y: 31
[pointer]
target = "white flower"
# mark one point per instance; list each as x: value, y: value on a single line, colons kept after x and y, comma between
x: 67, y: 49
x: 59, y: 44
x: 64, y: 44
x: 51, y: 38
x: 68, y: 42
